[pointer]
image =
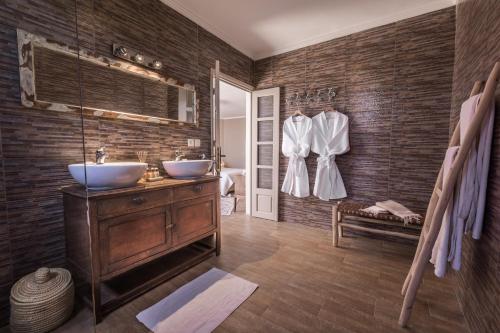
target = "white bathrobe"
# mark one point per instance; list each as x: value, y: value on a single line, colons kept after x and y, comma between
x: 330, y: 138
x: 297, y: 135
x: 468, y: 202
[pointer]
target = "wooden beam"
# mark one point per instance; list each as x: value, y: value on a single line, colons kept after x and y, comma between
x: 379, y: 231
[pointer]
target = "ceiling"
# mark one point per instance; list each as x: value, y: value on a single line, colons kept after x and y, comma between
x: 232, y: 101
x: 262, y: 28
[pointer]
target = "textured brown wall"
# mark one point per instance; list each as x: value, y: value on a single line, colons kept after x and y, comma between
x: 394, y: 83
x: 36, y: 146
x: 477, y: 49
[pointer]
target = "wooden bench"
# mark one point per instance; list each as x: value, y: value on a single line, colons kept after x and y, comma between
x: 347, y: 211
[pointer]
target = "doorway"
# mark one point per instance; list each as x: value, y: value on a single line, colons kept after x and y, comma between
x: 235, y: 143
x: 261, y: 144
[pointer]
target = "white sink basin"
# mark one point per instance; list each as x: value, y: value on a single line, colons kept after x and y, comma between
x: 108, y: 175
x: 187, y: 169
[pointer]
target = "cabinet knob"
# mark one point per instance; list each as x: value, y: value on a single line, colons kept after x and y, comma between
x: 198, y: 188
x: 138, y: 200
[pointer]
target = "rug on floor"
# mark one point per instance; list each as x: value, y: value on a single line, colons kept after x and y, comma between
x: 200, y: 305
x: 226, y: 205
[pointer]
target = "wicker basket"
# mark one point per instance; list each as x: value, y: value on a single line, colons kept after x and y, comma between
x: 41, y: 301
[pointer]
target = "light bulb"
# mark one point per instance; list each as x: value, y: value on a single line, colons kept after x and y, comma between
x: 157, y: 64
x: 139, y: 58
x: 121, y: 51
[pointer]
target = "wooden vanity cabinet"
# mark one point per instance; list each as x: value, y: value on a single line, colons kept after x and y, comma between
x: 157, y: 230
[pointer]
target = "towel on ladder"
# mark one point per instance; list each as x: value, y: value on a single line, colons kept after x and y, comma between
x: 440, y: 250
x: 467, y: 205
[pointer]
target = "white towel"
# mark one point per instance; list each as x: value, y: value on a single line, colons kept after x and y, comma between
x: 375, y: 210
x: 465, y: 211
x: 399, y: 210
x: 470, y: 198
x: 440, y: 250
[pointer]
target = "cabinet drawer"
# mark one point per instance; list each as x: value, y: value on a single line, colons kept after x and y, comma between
x: 133, y: 203
x: 195, y: 190
x: 129, y: 240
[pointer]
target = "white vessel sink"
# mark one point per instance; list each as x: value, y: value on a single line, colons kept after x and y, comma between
x: 108, y: 175
x: 187, y: 169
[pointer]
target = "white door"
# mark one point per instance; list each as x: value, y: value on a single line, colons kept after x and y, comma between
x: 265, y: 153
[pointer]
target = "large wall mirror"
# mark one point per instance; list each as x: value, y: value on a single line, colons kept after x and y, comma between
x: 111, y: 88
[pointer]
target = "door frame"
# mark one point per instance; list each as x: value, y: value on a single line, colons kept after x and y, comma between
x: 248, y: 126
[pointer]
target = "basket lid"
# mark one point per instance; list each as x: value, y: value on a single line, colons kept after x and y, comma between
x: 44, y: 284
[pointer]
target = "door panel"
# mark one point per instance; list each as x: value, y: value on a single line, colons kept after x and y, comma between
x: 265, y: 153
x: 192, y: 218
x: 128, y: 239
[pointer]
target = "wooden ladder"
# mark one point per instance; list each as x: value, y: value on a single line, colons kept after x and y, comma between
x: 442, y: 194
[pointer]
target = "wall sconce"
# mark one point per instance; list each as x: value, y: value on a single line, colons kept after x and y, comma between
x: 136, y: 57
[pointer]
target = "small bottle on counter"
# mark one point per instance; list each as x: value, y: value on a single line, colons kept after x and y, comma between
x: 153, y: 174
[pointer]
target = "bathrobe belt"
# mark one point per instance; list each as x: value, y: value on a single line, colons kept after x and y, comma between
x: 297, y: 165
x: 326, y: 161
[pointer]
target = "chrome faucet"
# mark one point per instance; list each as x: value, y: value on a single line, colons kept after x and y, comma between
x: 100, y: 155
x: 179, y: 154
x: 203, y: 156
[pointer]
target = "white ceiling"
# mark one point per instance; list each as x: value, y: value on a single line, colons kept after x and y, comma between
x: 232, y: 101
x: 262, y: 28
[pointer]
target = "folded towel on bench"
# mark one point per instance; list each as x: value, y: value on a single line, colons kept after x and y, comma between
x: 399, y: 210
x: 375, y: 210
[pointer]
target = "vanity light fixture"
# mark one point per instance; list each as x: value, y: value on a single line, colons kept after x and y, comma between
x: 136, y: 57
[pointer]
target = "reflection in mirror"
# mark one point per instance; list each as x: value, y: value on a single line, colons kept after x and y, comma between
x: 180, y: 104
x: 108, y: 88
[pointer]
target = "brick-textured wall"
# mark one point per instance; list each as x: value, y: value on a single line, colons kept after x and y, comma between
x: 394, y: 82
x: 36, y: 146
x: 477, y: 49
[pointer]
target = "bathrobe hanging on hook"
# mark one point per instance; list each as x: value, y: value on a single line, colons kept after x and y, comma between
x: 331, y: 138
x: 297, y: 135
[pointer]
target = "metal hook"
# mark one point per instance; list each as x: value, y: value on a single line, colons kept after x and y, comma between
x: 331, y: 94
x: 309, y: 97
x: 318, y: 95
x: 297, y: 99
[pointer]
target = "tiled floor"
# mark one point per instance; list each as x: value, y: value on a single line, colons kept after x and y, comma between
x: 306, y: 285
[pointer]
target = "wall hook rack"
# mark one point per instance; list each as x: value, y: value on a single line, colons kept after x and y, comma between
x: 311, y: 97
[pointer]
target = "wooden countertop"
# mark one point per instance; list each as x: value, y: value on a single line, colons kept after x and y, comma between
x: 79, y: 190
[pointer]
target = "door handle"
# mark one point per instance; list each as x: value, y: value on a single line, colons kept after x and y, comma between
x: 138, y: 200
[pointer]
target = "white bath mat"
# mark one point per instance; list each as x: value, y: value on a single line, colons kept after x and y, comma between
x: 200, y: 305
x: 226, y: 205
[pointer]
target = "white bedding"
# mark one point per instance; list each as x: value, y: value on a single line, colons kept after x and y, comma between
x: 226, y: 181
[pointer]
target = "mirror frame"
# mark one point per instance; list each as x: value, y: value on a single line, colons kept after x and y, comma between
x: 26, y: 43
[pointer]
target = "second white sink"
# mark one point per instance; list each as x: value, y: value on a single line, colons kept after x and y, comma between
x: 187, y: 169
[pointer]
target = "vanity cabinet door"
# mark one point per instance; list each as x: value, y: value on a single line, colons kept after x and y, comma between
x: 193, y: 218
x: 133, y: 239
